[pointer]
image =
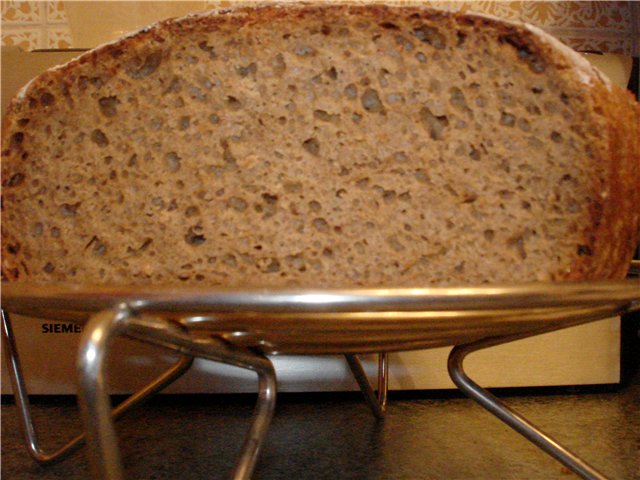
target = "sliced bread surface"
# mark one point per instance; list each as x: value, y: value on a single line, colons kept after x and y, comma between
x: 321, y: 146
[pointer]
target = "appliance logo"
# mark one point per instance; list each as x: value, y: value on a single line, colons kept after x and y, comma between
x: 61, y: 328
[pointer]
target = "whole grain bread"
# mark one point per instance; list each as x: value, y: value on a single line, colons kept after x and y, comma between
x: 322, y: 146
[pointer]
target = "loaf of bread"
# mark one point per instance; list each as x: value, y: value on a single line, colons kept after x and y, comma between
x: 322, y: 146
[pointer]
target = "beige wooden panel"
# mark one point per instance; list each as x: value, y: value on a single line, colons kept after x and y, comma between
x: 587, y: 354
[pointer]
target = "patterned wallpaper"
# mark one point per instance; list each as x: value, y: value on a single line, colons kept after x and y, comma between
x: 33, y: 25
x: 612, y: 27
x: 605, y: 26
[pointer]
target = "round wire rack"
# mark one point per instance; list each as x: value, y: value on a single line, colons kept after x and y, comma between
x: 239, y: 327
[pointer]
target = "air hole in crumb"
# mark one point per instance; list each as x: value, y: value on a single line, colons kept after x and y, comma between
x: 584, y: 250
x: 434, y: 124
x: 351, y: 91
x: 389, y: 196
x: 192, y: 211
x: 268, y: 265
x: 395, y: 243
x: 321, y: 225
x: 292, y: 187
x: 523, y: 124
x: 566, y: 177
x: 389, y: 26
x: 534, y: 110
x: 363, y: 182
x: 99, y: 138
x: 305, y: 51
x: 430, y: 36
x: 184, y: 122
x: 250, y: 69
x: 422, y: 176
x: 144, y: 67
x: 238, y: 204
x: 315, y: 206
x: 457, y: 98
x: 324, y: 116
x: 108, y: 106
x: 278, y: 65
x: 371, y: 101
x: 518, y: 243
x: 37, y: 229
x: 69, y: 209
x: 207, y: 48
x: 99, y: 248
x: 15, y: 180
x: 47, y: 99
x: 194, y: 236
x: 312, y: 146
x: 233, y: 103
x: 400, y: 157
x: 507, y: 119
x: 506, y: 194
x: 16, y: 139
x: 172, y: 161
x: 269, y: 198
x: 469, y: 197
x: 230, y: 260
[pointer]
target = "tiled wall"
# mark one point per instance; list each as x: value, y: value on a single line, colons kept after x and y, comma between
x: 586, y: 26
x: 33, y: 25
x: 600, y: 26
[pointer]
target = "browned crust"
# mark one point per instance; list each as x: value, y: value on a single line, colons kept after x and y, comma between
x: 614, y: 232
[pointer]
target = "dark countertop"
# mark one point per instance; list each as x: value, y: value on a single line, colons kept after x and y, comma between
x: 426, y: 435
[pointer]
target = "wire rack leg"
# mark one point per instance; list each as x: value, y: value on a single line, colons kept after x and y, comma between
x: 510, y: 417
x: 93, y: 395
x: 24, y: 410
x: 377, y: 403
x: 165, y: 333
x: 104, y: 455
x: 260, y: 422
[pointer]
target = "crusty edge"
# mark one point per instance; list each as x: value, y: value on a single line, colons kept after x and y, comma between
x: 615, y: 221
x: 615, y: 226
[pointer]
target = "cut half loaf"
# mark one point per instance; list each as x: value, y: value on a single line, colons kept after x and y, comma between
x: 321, y: 146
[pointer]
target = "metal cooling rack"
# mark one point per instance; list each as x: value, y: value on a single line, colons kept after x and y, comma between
x: 240, y: 327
